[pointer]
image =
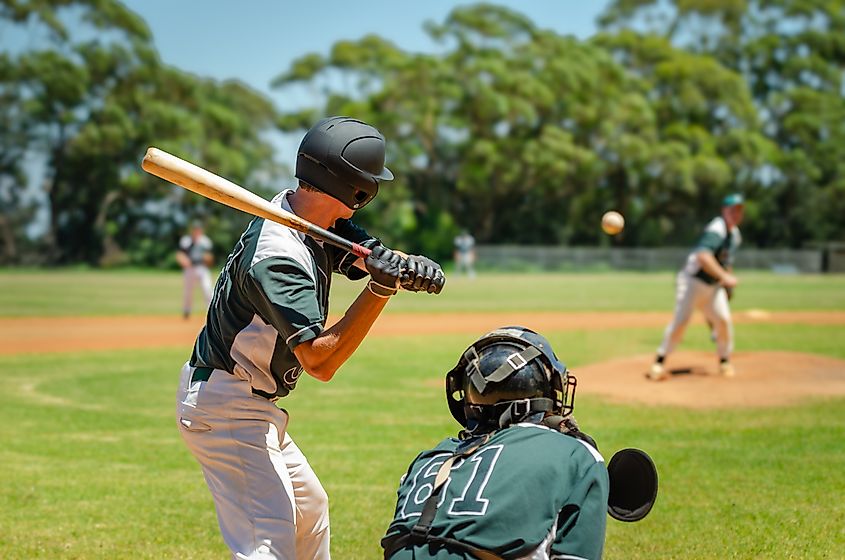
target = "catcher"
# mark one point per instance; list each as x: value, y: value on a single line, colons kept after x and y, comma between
x: 521, y: 480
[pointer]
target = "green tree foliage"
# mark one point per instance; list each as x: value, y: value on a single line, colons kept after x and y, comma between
x: 525, y: 136
x: 92, y: 106
x: 792, y: 55
x: 710, y: 138
x: 15, y: 212
x: 509, y: 130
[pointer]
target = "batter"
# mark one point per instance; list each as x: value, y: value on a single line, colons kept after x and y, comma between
x: 706, y: 282
x: 266, y: 326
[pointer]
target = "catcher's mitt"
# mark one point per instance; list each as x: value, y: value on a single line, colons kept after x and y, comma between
x: 632, y: 474
x: 633, y: 485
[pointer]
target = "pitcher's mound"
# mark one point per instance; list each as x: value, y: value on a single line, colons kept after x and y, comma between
x: 762, y: 379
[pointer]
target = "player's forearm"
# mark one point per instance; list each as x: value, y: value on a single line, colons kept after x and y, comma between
x: 711, y: 266
x: 324, y: 355
x: 183, y: 259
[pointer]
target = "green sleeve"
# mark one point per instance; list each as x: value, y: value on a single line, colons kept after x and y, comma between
x: 343, y: 261
x: 710, y: 241
x: 583, y: 520
x: 285, y: 296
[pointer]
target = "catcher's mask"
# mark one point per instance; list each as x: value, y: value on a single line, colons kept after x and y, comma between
x: 344, y: 158
x: 505, y: 377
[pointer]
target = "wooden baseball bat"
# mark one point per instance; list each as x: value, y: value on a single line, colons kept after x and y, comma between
x: 205, y: 183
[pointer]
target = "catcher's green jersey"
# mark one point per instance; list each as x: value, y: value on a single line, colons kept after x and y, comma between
x: 272, y: 295
x: 530, y: 492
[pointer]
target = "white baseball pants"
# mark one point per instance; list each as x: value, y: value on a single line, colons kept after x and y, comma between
x: 711, y: 299
x: 270, y: 504
x: 197, y: 273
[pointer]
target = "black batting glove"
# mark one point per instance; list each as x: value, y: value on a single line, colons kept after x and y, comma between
x: 384, y: 268
x: 421, y: 274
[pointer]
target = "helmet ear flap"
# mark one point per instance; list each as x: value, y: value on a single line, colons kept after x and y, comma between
x: 563, y: 389
x: 455, y: 396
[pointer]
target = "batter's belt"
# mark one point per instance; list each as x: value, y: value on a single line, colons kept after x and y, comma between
x: 204, y: 374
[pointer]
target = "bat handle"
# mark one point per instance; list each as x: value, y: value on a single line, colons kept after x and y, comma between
x: 360, y: 251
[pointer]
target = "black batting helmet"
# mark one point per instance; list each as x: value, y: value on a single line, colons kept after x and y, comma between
x: 506, y: 376
x: 344, y: 158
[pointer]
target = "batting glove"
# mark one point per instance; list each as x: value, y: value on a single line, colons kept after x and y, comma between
x: 383, y: 266
x: 421, y: 274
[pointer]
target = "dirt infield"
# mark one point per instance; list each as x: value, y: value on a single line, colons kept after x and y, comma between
x: 763, y: 378
x: 36, y: 335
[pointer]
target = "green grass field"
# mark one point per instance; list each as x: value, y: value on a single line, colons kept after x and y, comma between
x: 29, y: 293
x: 92, y: 466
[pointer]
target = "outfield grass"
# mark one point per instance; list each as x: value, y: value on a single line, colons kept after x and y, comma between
x: 92, y: 466
x: 91, y: 293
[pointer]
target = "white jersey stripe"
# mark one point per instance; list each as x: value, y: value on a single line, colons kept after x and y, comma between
x: 276, y: 240
x: 252, y: 351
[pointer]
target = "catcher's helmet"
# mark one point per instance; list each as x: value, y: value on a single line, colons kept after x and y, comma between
x: 344, y: 158
x: 505, y: 377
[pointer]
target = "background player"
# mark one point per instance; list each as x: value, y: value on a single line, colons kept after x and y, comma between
x: 706, y: 282
x: 465, y: 254
x: 512, y: 485
x: 266, y: 325
x: 194, y: 256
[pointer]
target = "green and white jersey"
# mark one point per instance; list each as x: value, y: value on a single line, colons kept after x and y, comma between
x: 717, y: 240
x: 196, y: 249
x: 528, y: 493
x: 272, y: 295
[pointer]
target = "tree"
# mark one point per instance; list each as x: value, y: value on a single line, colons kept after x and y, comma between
x: 709, y: 136
x: 525, y: 136
x: 93, y: 106
x: 15, y: 213
x: 791, y: 53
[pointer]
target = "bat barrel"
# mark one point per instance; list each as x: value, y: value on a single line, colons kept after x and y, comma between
x: 205, y: 183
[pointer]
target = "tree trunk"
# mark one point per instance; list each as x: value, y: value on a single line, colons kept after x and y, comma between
x: 52, y: 249
x: 10, y: 251
x: 112, y: 253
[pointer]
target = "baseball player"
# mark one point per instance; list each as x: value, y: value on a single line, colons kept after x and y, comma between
x: 706, y: 282
x: 194, y: 256
x: 512, y: 485
x: 267, y: 325
x: 465, y: 253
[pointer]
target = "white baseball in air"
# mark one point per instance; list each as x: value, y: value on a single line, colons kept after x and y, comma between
x: 612, y: 222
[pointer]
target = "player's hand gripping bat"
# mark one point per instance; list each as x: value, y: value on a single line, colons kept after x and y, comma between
x: 205, y: 183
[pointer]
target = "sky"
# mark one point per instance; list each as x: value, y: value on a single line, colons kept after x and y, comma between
x: 256, y: 40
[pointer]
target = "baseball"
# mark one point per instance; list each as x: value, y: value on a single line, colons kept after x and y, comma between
x: 612, y: 222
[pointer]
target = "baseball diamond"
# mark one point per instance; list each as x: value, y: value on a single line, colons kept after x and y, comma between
x: 769, y: 380
x: 70, y: 368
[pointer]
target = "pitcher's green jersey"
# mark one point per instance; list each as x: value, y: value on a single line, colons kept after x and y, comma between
x: 717, y: 240
x: 272, y: 295
x: 530, y: 492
